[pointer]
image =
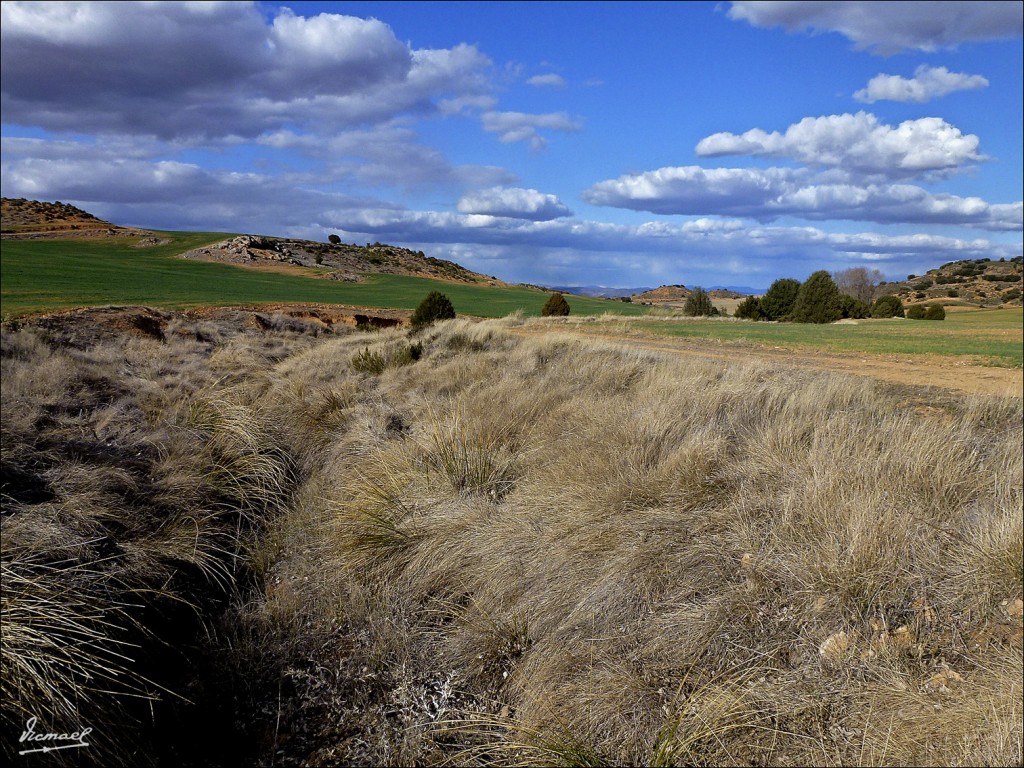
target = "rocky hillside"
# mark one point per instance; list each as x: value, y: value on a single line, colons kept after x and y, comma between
x: 672, y: 295
x: 336, y: 261
x: 32, y: 219
x: 978, y: 282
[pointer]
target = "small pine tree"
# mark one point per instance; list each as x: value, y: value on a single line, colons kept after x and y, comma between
x: 556, y: 306
x: 888, y: 306
x: 853, y: 308
x: 436, y: 306
x: 818, y: 300
x: 749, y: 309
x: 779, y: 299
x: 698, y: 304
x: 935, y: 312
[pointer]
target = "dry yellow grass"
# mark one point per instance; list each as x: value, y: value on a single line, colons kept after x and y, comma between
x: 555, y: 551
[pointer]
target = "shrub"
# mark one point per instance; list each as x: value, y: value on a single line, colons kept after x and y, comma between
x: 922, y: 285
x: 935, y: 312
x: 888, y: 306
x: 953, y: 293
x: 436, y: 306
x: 749, y: 309
x: 778, y: 301
x: 334, y: 239
x: 698, y: 304
x: 1010, y: 295
x: 555, y: 306
x: 915, y: 312
x: 853, y: 308
x: 818, y: 300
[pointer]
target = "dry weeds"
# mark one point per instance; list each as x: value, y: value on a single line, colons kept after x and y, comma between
x: 546, y: 550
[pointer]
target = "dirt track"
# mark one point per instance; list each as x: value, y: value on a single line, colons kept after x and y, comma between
x: 913, y: 370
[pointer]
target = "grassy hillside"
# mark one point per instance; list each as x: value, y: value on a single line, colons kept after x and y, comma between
x: 369, y: 549
x: 991, y: 336
x: 44, y: 275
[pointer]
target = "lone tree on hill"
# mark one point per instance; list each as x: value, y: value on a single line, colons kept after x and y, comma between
x: 333, y: 239
x: 818, y: 301
x: 436, y: 306
x: 698, y: 304
x: 778, y: 301
x: 556, y: 306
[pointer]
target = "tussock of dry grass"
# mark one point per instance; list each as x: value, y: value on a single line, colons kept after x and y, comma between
x: 548, y: 551
x: 614, y: 557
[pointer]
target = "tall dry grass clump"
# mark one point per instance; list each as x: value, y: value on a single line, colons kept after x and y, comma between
x: 562, y: 552
x: 137, y: 473
x: 483, y: 545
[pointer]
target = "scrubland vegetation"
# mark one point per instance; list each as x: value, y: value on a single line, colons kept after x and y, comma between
x: 466, y: 546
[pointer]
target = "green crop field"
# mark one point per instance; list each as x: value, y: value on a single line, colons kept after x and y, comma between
x: 44, y: 275
x: 994, y: 335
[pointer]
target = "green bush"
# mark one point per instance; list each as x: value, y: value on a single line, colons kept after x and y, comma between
x: 922, y: 285
x: 555, y: 306
x: 779, y: 300
x: 915, y: 312
x: 749, y: 309
x: 698, y: 304
x: 953, y: 293
x: 1010, y: 295
x: 436, y: 306
x: 334, y: 239
x: 888, y: 306
x: 818, y: 300
x: 853, y: 308
x: 935, y: 312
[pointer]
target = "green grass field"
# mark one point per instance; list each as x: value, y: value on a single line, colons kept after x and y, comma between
x: 996, y: 335
x: 44, y: 275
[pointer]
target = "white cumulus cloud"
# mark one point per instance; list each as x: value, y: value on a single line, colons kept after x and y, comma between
x: 773, y: 192
x: 887, y: 27
x: 217, y: 71
x: 515, y: 203
x: 858, y: 144
x: 927, y: 83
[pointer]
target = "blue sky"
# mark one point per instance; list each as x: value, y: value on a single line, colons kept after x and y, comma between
x: 616, y: 144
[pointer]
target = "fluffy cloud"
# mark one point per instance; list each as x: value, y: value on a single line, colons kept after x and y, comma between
x: 770, y: 193
x: 858, y: 144
x: 619, y: 254
x: 886, y: 27
x: 928, y: 83
x: 519, y: 126
x: 177, y: 195
x: 515, y: 203
x: 190, y: 71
